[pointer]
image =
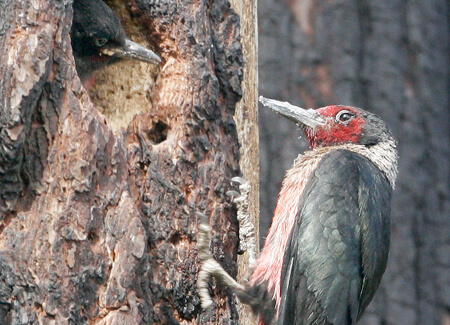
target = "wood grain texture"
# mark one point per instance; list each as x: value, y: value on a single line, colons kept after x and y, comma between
x: 246, y: 118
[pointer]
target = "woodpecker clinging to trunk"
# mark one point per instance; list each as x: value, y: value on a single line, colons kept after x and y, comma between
x: 98, y: 39
x: 328, y: 244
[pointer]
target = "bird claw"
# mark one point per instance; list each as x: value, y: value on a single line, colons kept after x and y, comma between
x: 233, y: 194
x: 238, y: 179
x: 209, y: 266
x: 244, y: 185
x: 247, y: 240
x: 241, y: 197
x: 204, y: 237
x: 203, y: 218
x: 204, y: 254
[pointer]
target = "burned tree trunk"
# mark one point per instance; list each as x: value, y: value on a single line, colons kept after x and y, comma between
x: 98, y: 222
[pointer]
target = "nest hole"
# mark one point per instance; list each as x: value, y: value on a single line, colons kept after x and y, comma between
x: 158, y: 133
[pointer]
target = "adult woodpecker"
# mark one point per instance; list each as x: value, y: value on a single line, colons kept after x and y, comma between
x: 98, y: 39
x: 328, y: 244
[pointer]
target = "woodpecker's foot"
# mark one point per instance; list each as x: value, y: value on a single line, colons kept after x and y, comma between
x: 247, y: 240
x: 209, y: 266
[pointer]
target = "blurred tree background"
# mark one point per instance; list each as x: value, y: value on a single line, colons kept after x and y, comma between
x: 390, y: 57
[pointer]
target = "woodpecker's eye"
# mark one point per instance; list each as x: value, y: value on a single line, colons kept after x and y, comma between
x: 344, y: 116
x: 100, y: 41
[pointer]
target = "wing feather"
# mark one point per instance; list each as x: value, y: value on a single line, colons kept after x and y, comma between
x: 338, y: 248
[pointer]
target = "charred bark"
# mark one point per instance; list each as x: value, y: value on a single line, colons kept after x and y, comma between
x: 98, y: 222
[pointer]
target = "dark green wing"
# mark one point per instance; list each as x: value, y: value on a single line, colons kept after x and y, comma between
x: 338, y: 248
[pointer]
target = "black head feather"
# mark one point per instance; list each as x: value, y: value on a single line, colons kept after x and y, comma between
x: 98, y: 39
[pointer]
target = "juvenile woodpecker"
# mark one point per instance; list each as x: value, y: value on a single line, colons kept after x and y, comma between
x: 98, y: 39
x: 328, y: 244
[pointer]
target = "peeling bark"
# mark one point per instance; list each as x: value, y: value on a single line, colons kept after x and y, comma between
x: 97, y: 225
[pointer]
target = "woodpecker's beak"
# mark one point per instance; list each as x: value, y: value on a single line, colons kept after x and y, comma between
x: 298, y: 115
x: 133, y: 51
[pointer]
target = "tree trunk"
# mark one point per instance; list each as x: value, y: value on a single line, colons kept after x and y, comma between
x: 247, y: 124
x: 389, y: 57
x: 98, y: 222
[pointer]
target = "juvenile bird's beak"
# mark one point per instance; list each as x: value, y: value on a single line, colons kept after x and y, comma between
x: 298, y: 115
x: 133, y: 51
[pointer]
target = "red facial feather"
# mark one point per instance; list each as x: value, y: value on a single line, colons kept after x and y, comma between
x: 335, y: 132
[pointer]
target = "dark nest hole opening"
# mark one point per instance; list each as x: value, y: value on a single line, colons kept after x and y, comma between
x: 158, y: 133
